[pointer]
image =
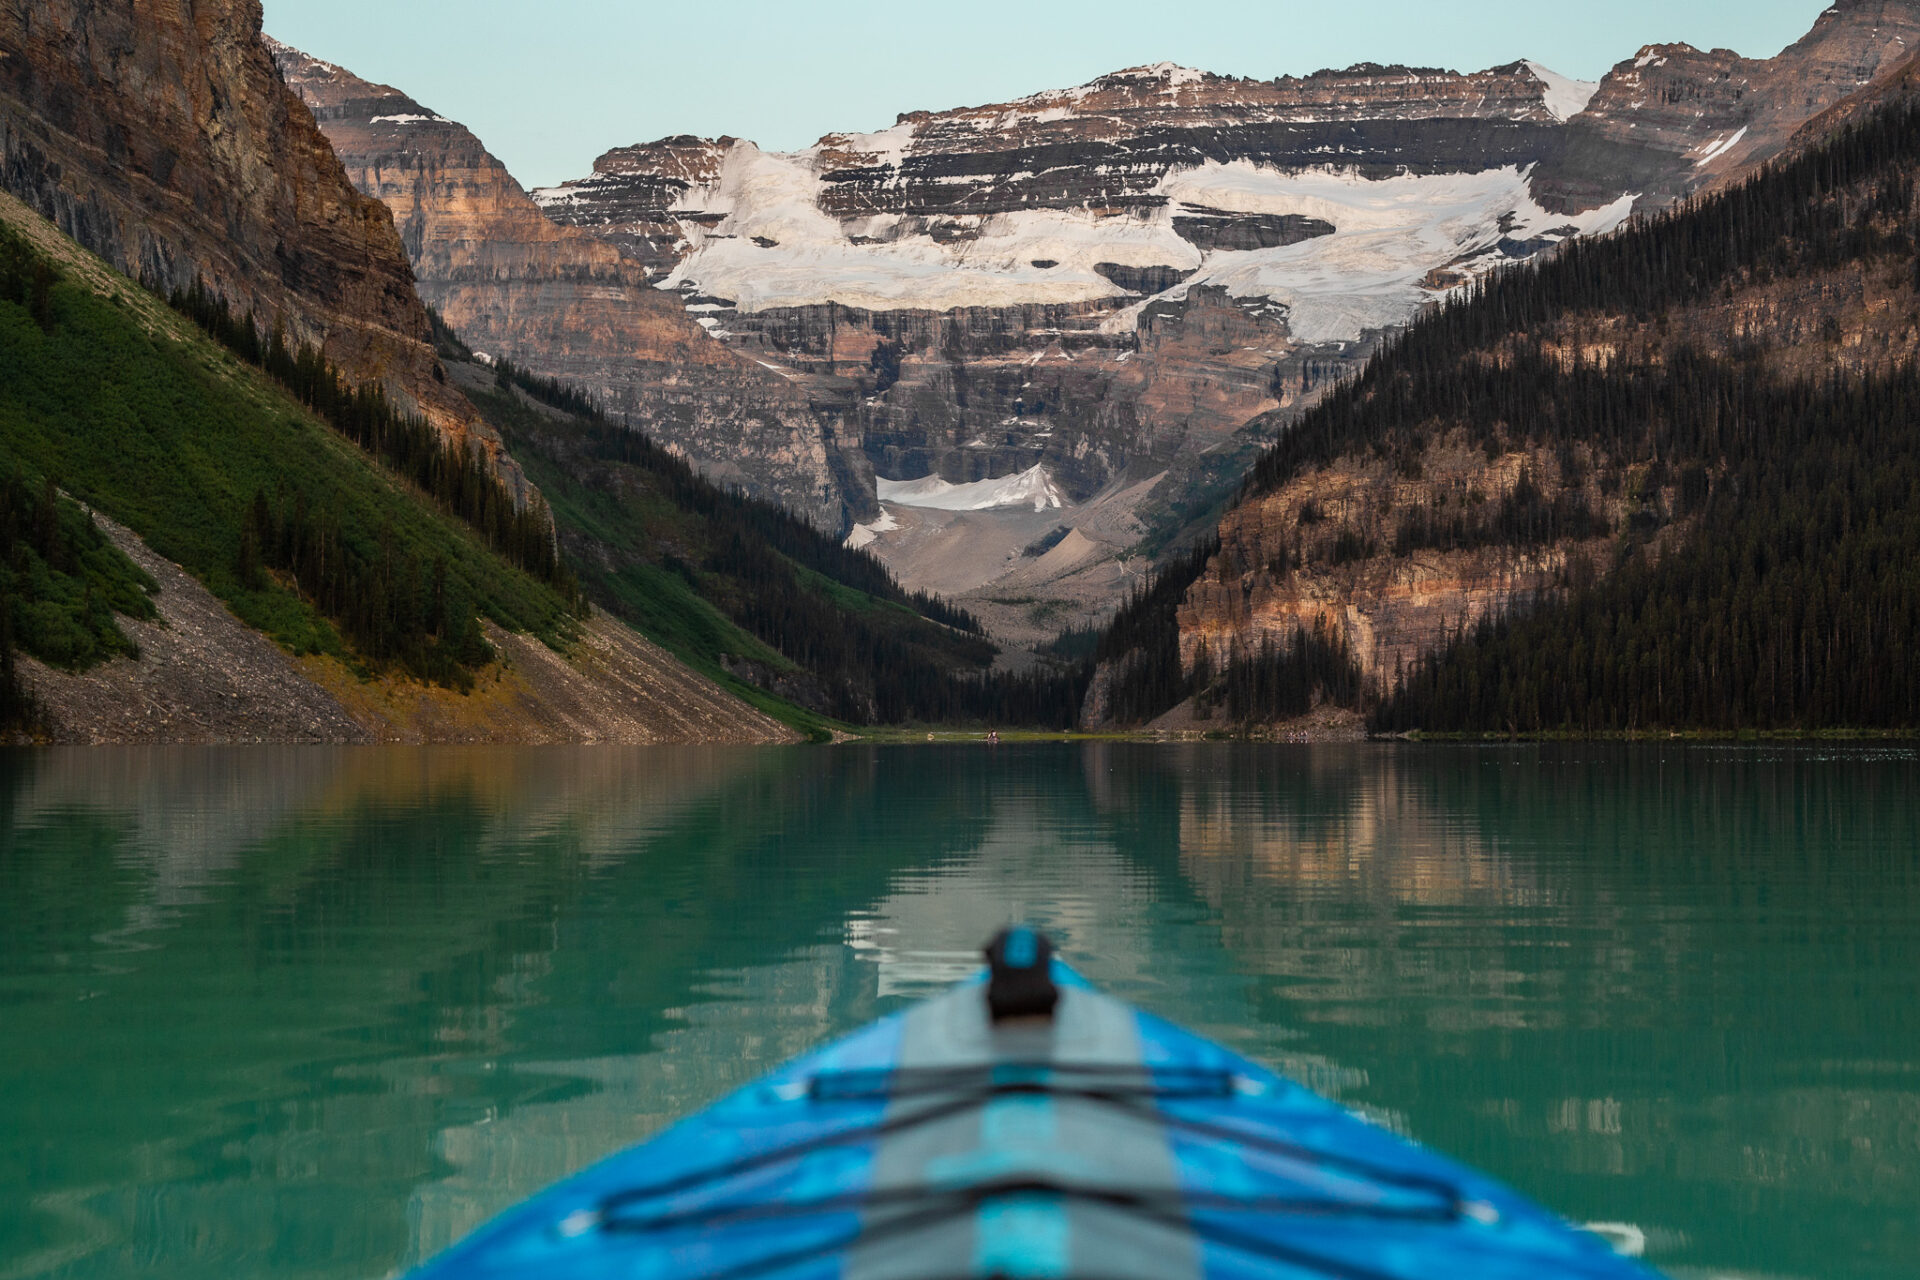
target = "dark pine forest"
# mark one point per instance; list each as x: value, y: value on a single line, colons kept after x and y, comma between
x: 1787, y: 594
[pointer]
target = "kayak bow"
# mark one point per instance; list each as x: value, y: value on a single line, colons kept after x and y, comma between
x: 1027, y: 1127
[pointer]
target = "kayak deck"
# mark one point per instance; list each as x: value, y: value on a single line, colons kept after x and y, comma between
x: 1104, y: 1144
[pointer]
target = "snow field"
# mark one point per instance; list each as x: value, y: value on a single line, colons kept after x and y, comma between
x: 864, y: 534
x: 1030, y: 487
x: 775, y: 246
x: 1565, y: 98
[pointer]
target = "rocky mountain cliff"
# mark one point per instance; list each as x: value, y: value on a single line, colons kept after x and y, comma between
x: 1107, y: 283
x: 1048, y: 282
x: 1675, y: 118
x: 566, y: 304
x: 1105, y: 146
x: 160, y: 136
x: 1665, y: 481
x: 1126, y: 289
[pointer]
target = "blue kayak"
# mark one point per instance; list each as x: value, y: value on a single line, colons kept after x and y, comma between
x: 1025, y: 1126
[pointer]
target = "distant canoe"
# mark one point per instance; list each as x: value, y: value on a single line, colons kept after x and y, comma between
x: 1094, y: 1143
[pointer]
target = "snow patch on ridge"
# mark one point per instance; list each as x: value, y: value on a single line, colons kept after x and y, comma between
x: 1718, y: 148
x: 1031, y: 487
x: 887, y: 146
x: 1390, y: 235
x: 864, y: 534
x: 774, y: 245
x: 1565, y: 98
x: 1173, y: 73
x: 765, y: 195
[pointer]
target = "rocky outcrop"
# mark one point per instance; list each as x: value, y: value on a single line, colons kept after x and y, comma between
x: 1674, y: 118
x: 160, y: 136
x: 565, y: 304
x: 636, y: 195
x: 1901, y: 84
x: 1330, y: 551
x: 980, y: 393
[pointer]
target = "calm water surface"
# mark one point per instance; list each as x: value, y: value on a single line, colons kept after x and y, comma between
x: 316, y: 1013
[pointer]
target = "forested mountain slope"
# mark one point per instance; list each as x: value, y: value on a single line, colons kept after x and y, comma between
x: 384, y: 566
x: 746, y: 591
x: 1668, y: 480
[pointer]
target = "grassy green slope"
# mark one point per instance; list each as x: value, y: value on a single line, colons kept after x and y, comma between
x: 129, y: 408
x: 62, y: 583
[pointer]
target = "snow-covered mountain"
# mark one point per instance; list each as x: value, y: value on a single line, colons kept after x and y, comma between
x: 1341, y: 252
x: 1107, y: 150
x: 1105, y: 283
x: 1108, y: 283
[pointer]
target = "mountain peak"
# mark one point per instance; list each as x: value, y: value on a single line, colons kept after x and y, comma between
x: 1173, y: 73
x: 1565, y: 97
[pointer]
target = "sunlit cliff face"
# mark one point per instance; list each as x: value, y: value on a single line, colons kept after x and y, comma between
x: 190, y: 159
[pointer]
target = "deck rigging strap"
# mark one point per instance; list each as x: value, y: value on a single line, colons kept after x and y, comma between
x: 953, y: 1206
x: 961, y: 1102
x: 1161, y: 1202
x: 960, y: 1168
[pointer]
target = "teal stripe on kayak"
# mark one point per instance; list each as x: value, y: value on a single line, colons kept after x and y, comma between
x: 1021, y: 1235
x: 1025, y: 1236
x: 1074, y: 1141
x: 914, y: 1156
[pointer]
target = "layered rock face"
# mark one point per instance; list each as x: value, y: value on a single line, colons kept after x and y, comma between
x: 1107, y: 281
x: 979, y: 393
x: 566, y: 304
x: 159, y: 135
x: 1675, y: 118
x: 632, y: 196
x: 1120, y: 187
x: 1902, y: 84
x: 1320, y: 553
x: 1103, y: 146
x: 1140, y: 279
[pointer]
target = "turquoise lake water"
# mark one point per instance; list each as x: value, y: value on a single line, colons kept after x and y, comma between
x: 317, y: 1013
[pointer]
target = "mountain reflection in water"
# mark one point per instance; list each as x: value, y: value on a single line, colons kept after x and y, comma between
x: 316, y: 1013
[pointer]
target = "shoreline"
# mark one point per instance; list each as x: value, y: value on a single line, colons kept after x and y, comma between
x: 1283, y: 737
x: 923, y: 736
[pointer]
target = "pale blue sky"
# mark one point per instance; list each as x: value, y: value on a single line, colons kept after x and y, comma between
x: 550, y: 84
